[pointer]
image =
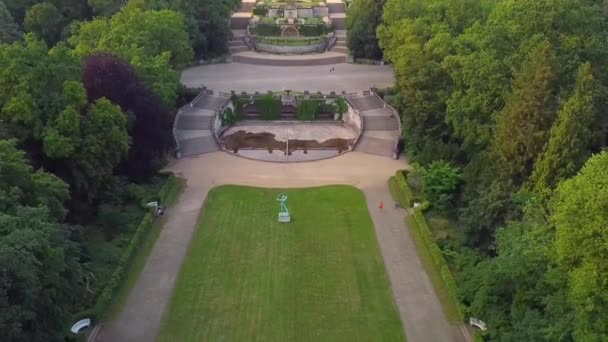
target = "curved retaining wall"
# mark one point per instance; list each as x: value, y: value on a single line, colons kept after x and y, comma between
x: 264, y: 60
x: 290, y: 49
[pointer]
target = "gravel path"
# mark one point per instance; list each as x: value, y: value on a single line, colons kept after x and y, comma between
x: 418, y: 305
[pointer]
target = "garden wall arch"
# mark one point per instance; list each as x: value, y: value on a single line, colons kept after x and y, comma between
x: 290, y: 31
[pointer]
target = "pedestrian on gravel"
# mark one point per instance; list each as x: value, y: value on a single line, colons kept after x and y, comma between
x: 381, y: 205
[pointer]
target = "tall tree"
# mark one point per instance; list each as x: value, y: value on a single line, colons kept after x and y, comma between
x: 105, y: 142
x: 45, y: 21
x: 522, y: 126
x: 362, y: 20
x: 9, y: 31
x: 570, y: 137
x: 108, y: 76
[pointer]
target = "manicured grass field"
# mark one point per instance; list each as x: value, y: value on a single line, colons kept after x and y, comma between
x: 248, y: 278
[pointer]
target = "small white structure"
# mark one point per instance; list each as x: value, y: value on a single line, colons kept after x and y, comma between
x: 82, y: 324
x: 152, y: 204
x: 474, y: 322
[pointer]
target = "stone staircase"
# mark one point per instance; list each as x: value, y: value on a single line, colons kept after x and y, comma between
x: 338, y: 20
x: 193, y: 126
x: 336, y: 6
x: 337, y: 13
x: 237, y: 43
x: 240, y: 19
x: 340, y: 45
x: 247, y: 6
x: 380, y: 126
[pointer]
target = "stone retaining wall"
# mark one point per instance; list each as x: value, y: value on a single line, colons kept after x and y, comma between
x: 290, y: 49
x: 289, y: 62
x: 320, y: 11
x: 305, y: 13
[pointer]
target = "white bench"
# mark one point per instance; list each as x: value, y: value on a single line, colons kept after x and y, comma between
x: 83, y: 323
x: 478, y: 323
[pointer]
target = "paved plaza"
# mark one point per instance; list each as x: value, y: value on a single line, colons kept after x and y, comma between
x: 250, y: 78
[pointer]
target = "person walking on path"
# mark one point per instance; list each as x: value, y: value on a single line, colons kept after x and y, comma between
x: 381, y: 205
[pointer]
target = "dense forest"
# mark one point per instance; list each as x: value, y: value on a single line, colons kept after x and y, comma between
x: 503, y: 104
x: 88, y: 91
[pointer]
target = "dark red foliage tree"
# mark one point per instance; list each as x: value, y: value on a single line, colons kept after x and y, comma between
x: 105, y: 75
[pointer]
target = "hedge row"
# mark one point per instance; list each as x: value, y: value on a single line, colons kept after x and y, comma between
x: 401, y: 191
x: 261, y: 11
x: 111, y: 287
x: 313, y: 30
x: 438, y: 259
x: 273, y: 30
x: 267, y: 30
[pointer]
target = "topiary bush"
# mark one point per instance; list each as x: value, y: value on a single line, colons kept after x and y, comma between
x: 340, y: 107
x: 308, y: 110
x: 238, y: 103
x: 269, y: 107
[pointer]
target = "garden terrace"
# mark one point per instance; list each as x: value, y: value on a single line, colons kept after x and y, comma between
x: 256, y: 125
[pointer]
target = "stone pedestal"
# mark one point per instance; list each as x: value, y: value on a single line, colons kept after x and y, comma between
x: 284, y: 217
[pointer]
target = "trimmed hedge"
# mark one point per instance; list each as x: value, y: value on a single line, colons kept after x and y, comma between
x: 111, y: 287
x: 285, y: 41
x: 313, y: 30
x: 272, y: 30
x: 438, y: 259
x: 261, y: 11
x: 400, y: 190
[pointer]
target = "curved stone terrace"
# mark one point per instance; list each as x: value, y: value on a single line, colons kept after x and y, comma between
x: 369, y: 125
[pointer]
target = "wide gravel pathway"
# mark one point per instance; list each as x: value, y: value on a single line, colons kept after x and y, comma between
x: 415, y: 298
x: 247, y: 77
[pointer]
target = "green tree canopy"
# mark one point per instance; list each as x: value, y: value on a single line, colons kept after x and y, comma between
x: 363, y: 18
x: 152, y: 41
x: 45, y: 21
x: 581, y: 220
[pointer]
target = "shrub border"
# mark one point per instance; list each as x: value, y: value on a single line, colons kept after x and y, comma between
x: 400, y: 190
x: 402, y: 194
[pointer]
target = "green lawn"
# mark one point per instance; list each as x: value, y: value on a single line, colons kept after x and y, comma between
x: 247, y: 277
